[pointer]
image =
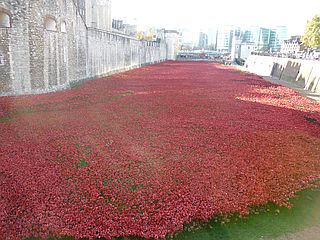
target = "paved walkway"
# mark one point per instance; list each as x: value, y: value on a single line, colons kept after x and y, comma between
x: 312, y: 233
x: 292, y: 85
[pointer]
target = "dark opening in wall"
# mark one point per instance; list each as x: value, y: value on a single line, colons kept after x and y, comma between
x: 1, y: 59
x: 50, y: 24
x: 5, y: 20
x: 63, y: 27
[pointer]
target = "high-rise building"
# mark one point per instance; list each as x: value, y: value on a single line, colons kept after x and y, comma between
x: 224, y: 38
x: 259, y: 36
x: 265, y: 39
x: 273, y: 41
x: 212, y: 38
x: 281, y: 34
x: 257, y: 39
x: 203, y: 40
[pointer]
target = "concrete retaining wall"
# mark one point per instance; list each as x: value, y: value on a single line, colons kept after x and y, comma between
x: 305, y: 73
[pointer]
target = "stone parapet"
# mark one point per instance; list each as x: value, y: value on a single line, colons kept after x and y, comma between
x: 304, y: 73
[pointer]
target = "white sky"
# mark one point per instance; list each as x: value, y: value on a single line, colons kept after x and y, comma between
x: 202, y: 14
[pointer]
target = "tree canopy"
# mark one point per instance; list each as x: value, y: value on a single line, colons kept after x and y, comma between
x: 311, y: 36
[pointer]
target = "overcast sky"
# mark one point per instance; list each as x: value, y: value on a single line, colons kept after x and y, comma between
x: 201, y: 14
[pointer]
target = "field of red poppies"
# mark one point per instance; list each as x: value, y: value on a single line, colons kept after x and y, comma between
x: 146, y: 151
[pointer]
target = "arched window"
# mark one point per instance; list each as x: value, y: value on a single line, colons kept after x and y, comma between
x: 50, y: 24
x: 5, y: 21
x: 63, y: 27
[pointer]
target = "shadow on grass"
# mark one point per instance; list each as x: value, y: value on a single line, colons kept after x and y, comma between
x: 266, y: 222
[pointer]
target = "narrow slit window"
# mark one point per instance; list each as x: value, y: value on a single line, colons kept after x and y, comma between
x: 63, y: 27
x: 1, y: 59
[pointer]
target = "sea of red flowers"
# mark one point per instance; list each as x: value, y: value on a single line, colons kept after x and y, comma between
x: 144, y: 152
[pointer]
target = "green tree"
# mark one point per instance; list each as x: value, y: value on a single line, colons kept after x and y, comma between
x: 311, y: 36
x: 140, y: 35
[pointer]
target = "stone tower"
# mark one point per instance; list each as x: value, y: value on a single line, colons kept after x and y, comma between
x: 98, y: 14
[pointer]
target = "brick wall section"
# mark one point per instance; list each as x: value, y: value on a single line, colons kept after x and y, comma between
x: 38, y: 60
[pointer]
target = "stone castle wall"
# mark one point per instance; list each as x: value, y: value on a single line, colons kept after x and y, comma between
x: 48, y: 46
x: 111, y: 52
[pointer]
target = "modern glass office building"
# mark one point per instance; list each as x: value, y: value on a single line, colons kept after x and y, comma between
x: 281, y: 34
x: 266, y: 39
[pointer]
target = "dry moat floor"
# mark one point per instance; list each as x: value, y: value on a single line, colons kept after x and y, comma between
x: 148, y: 152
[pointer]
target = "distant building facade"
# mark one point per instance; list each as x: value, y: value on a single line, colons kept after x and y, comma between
x: 259, y: 36
x: 130, y: 30
x: 125, y: 28
x: 117, y: 24
x: 246, y: 50
x: 281, y: 34
x: 257, y: 39
x: 203, y: 40
x: 224, y: 37
x: 265, y: 39
x: 292, y: 45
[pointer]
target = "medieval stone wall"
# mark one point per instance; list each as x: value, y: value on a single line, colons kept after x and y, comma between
x: 109, y: 52
x: 48, y: 46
